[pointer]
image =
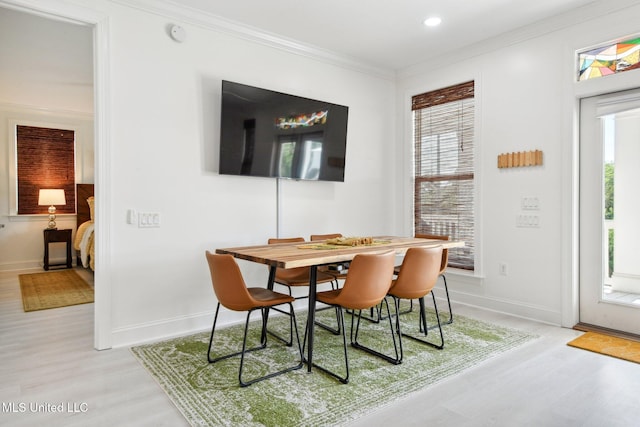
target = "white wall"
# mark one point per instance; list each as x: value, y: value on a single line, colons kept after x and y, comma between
x: 526, y: 96
x: 162, y: 107
x: 163, y: 136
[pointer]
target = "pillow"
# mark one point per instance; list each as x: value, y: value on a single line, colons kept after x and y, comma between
x: 90, y: 201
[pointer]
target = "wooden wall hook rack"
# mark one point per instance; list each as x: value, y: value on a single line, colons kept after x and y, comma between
x: 520, y: 159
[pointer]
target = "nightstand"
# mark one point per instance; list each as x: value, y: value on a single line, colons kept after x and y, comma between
x: 53, y: 235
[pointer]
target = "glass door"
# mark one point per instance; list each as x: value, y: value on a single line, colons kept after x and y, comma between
x: 609, y: 207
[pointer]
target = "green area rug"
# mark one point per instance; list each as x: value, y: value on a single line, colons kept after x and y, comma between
x: 209, y: 395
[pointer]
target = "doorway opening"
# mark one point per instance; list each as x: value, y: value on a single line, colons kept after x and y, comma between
x: 609, y: 230
x: 58, y: 11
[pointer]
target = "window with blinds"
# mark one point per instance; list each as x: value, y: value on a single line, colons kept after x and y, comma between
x: 443, y: 128
x: 45, y: 158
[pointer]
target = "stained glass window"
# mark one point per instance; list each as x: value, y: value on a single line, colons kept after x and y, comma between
x: 610, y: 59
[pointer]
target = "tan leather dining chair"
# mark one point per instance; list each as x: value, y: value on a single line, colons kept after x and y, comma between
x: 366, y: 286
x: 417, y: 276
x: 299, y: 276
x: 339, y: 271
x: 315, y: 237
x: 233, y: 294
x: 443, y: 266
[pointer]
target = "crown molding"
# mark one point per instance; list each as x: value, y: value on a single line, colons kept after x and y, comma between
x: 44, y: 111
x: 54, y: 9
x: 216, y: 23
x: 558, y: 22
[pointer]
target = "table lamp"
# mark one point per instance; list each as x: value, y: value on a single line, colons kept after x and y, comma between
x: 51, y: 198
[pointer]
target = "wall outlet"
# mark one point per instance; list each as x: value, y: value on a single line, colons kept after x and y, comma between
x: 527, y: 221
x: 530, y: 204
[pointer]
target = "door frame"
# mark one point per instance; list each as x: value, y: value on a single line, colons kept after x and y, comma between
x: 56, y: 9
x: 595, y: 308
x: 570, y: 238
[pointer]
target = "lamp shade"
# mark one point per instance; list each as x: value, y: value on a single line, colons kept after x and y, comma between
x: 51, y: 198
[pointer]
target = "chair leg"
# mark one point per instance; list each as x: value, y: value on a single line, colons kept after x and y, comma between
x: 342, y: 379
x: 409, y: 310
x: 424, y: 328
x: 263, y: 344
x: 335, y: 331
x: 273, y: 374
x: 375, y: 314
x: 448, y: 322
x: 378, y: 309
x: 397, y: 344
x: 289, y: 342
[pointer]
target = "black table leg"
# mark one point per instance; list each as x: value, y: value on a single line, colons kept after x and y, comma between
x: 272, y: 277
x: 311, y: 315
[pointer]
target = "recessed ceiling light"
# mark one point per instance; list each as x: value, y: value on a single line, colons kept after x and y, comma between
x: 432, y: 21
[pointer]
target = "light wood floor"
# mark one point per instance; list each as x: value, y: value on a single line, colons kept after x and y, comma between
x: 47, y: 358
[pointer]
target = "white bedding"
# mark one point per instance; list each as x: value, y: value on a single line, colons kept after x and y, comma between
x: 83, y: 243
x: 85, y: 249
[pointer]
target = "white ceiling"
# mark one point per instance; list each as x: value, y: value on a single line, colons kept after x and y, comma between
x: 387, y: 34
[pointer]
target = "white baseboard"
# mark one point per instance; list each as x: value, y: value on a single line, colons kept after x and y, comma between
x: 161, y: 329
x: 30, y: 265
x: 21, y: 265
x: 185, y: 325
x: 513, y: 308
x: 175, y: 327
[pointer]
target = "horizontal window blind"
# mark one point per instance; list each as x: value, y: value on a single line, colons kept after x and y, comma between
x: 45, y: 159
x: 444, y: 168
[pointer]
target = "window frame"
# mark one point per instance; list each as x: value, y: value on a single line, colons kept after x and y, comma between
x: 417, y: 178
x: 12, y: 137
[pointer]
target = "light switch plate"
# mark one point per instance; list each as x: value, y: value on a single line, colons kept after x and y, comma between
x: 148, y: 219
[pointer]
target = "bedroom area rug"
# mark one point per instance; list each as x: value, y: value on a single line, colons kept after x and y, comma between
x: 608, y: 345
x: 53, y: 289
x: 209, y: 395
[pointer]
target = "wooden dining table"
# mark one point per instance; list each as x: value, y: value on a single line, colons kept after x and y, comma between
x: 319, y: 253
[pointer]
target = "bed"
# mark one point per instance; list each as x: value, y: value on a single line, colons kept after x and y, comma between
x: 84, y: 240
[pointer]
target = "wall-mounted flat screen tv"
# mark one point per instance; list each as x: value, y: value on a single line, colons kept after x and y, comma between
x: 271, y: 134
